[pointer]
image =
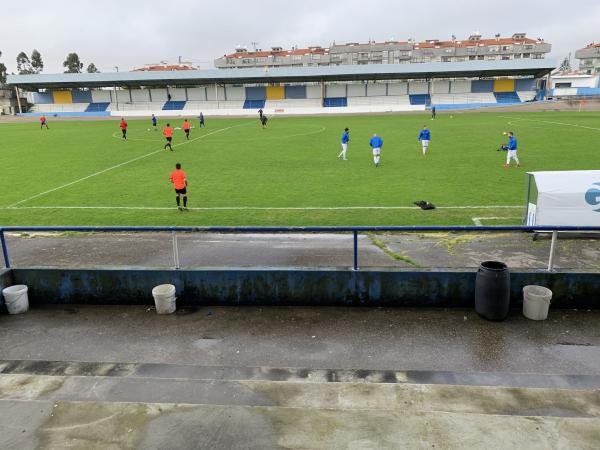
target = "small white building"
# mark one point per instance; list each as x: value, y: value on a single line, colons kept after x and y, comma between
x: 566, y: 198
x: 574, y: 84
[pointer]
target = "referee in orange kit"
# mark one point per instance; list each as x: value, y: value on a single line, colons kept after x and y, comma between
x: 180, y: 184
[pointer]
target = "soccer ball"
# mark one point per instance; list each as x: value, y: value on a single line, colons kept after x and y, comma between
x: 504, y: 133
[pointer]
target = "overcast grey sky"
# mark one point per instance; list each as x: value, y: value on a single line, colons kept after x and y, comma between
x: 130, y: 33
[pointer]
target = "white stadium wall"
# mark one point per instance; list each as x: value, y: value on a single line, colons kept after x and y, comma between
x: 418, y: 87
x: 441, y: 87
x: 123, y: 96
x: 210, y: 93
x: 158, y: 95
x: 376, y: 89
x: 197, y: 94
x: 460, y: 87
x: 335, y: 90
x: 140, y: 95
x: 235, y: 93
x: 398, y: 88
x: 101, y: 96
x: 177, y: 94
x: 313, y: 91
x: 356, y: 90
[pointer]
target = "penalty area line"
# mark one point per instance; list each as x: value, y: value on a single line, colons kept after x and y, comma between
x: 116, y: 166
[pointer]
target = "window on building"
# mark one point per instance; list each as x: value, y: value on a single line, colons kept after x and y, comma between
x: 472, y: 58
x: 493, y: 48
x: 505, y: 58
x: 446, y: 59
x: 480, y: 57
x: 526, y: 55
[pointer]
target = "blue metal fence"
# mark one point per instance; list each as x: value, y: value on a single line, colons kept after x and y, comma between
x: 327, y: 229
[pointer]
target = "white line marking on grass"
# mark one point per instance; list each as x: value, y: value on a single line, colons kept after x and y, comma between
x: 261, y: 208
x: 306, y: 134
x: 41, y: 194
x: 477, y: 220
x: 551, y: 122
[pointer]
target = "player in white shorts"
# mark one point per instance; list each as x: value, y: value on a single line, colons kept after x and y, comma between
x: 512, y: 150
x: 376, y: 143
x: 345, y: 140
x: 425, y: 137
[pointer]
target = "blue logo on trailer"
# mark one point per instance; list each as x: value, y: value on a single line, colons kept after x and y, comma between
x: 592, y: 197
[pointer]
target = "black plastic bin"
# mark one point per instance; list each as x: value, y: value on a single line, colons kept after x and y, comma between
x: 492, y: 290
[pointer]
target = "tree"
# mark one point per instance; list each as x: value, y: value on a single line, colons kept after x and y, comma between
x: 566, y: 64
x: 92, y: 68
x: 24, y: 64
x: 37, y: 65
x: 2, y: 73
x: 72, y: 63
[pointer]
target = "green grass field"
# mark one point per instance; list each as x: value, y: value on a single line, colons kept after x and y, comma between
x: 81, y: 173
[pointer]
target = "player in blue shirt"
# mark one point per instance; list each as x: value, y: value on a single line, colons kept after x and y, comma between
x: 512, y: 150
x: 154, y: 122
x: 201, y: 120
x: 345, y: 140
x: 425, y: 137
x: 376, y: 143
x: 433, y: 113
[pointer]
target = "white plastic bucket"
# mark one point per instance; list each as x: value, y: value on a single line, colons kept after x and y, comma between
x: 16, y: 299
x: 164, y: 298
x: 536, y: 302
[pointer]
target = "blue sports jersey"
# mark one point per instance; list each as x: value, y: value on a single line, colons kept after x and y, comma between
x: 154, y: 121
x: 425, y: 135
x: 345, y: 137
x: 376, y: 142
x: 512, y: 143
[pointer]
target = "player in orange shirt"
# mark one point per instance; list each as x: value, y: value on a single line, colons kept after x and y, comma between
x: 123, y: 126
x: 180, y: 184
x: 186, y: 129
x: 43, y: 123
x: 168, y: 132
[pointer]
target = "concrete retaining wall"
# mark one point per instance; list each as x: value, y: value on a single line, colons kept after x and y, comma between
x: 411, y: 288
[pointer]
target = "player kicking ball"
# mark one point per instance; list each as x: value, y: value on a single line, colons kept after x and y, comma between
x: 424, y: 138
x: 512, y: 149
x: 376, y: 143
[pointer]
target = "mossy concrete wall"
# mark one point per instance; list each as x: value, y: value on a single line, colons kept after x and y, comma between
x: 335, y: 287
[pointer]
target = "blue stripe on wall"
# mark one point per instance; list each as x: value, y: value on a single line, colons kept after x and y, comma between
x: 478, y: 86
x: 43, y: 98
x: 81, y: 96
x: 295, y: 92
x: 256, y: 93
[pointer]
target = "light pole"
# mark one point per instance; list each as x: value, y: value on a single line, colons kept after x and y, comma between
x: 115, y: 89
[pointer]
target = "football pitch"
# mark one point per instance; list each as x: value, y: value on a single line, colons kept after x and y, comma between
x: 81, y: 173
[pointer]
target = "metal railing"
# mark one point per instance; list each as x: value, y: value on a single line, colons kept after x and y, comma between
x: 554, y: 230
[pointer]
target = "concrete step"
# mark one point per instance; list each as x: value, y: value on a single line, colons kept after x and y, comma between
x: 288, y: 388
x: 157, y: 406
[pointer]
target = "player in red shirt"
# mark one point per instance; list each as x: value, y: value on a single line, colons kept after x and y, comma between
x: 43, y: 123
x: 168, y: 132
x: 180, y: 184
x: 123, y: 126
x: 186, y: 129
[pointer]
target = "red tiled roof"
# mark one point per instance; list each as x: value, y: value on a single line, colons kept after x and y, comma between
x: 592, y: 45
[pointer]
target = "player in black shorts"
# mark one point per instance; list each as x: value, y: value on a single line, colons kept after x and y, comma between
x: 264, y: 119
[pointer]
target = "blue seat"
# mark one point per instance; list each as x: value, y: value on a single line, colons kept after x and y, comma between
x: 254, y: 104
x: 335, y: 102
x: 97, y: 107
x: 174, y: 105
x: 507, y: 97
x: 420, y: 99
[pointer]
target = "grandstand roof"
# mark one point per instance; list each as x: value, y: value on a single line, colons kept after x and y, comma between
x: 470, y: 69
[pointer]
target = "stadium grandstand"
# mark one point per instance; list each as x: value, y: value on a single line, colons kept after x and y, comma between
x: 303, y: 90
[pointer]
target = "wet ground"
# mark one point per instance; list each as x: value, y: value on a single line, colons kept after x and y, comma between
x: 297, y: 378
x: 462, y: 250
